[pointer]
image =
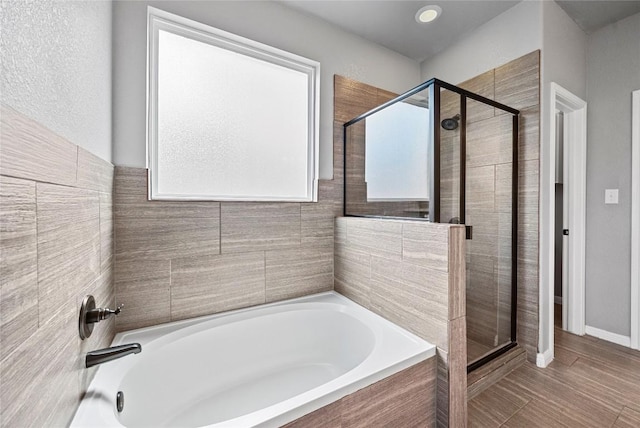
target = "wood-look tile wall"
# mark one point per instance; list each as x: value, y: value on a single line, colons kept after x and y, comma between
x: 412, y: 273
x: 177, y: 260
x: 405, y: 399
x: 56, y: 240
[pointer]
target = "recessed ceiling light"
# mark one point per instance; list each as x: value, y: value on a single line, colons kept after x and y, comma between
x: 428, y: 14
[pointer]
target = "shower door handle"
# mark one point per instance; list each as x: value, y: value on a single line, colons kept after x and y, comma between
x: 469, y: 231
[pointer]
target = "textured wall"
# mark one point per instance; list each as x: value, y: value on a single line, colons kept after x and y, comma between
x: 338, y: 52
x: 613, y: 64
x: 56, y: 67
x: 55, y: 247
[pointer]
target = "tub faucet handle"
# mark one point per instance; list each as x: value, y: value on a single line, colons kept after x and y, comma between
x: 90, y: 315
x: 114, y: 312
x: 99, y: 314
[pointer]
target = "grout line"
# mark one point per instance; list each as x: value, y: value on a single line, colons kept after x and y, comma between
x: 100, y: 233
x: 518, y: 411
x: 170, y: 289
x: 617, y: 418
x: 402, y: 242
x: 573, y: 362
x: 220, y: 227
x: 77, y: 164
x: 21, y: 177
x: 264, y: 272
x: 35, y: 198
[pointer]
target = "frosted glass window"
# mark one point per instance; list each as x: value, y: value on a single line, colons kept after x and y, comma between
x: 231, y: 119
x: 396, y: 153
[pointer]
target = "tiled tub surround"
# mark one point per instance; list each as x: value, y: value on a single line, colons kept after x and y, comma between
x: 412, y: 273
x: 405, y: 399
x: 177, y: 260
x: 56, y: 244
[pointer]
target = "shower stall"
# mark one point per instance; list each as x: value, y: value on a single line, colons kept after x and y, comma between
x: 442, y: 154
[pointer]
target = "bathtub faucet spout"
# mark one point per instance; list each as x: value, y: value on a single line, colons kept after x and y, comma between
x: 100, y: 356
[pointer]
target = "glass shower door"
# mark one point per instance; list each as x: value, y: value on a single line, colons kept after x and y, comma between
x: 489, y: 215
x: 443, y: 154
x: 477, y: 189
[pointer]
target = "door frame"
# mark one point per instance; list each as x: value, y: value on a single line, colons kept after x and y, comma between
x: 635, y: 219
x: 575, y: 162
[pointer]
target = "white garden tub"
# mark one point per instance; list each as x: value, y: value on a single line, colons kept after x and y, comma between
x: 256, y: 367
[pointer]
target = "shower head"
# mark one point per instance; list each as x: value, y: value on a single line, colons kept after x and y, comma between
x: 451, y: 123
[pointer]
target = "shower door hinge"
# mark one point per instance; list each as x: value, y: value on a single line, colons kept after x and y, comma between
x: 565, y: 232
x: 469, y: 231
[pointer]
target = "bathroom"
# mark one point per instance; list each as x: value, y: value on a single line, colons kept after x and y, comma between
x: 76, y: 219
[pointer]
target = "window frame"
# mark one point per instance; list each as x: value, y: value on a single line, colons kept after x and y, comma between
x: 160, y: 20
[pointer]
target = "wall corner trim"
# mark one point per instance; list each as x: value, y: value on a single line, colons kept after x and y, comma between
x: 543, y: 359
x: 635, y: 220
x: 575, y: 136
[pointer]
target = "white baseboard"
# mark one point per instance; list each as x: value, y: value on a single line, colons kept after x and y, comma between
x: 608, y: 336
x: 544, y: 359
x: 557, y: 300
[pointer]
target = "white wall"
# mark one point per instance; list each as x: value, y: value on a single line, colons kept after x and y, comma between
x: 564, y: 49
x: 56, y: 67
x: 266, y: 22
x: 506, y: 37
x: 613, y: 72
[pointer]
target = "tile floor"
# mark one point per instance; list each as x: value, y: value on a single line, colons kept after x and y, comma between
x: 590, y: 383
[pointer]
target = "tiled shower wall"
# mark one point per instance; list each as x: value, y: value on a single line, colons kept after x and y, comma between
x: 56, y: 246
x: 516, y: 84
x: 176, y: 260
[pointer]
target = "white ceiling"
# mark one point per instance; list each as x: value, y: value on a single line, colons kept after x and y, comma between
x: 391, y: 23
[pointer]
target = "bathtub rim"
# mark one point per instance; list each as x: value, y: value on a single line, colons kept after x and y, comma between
x: 282, y: 411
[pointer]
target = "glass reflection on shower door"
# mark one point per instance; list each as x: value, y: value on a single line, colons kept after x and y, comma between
x: 386, y: 160
x: 488, y: 210
x: 450, y: 144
